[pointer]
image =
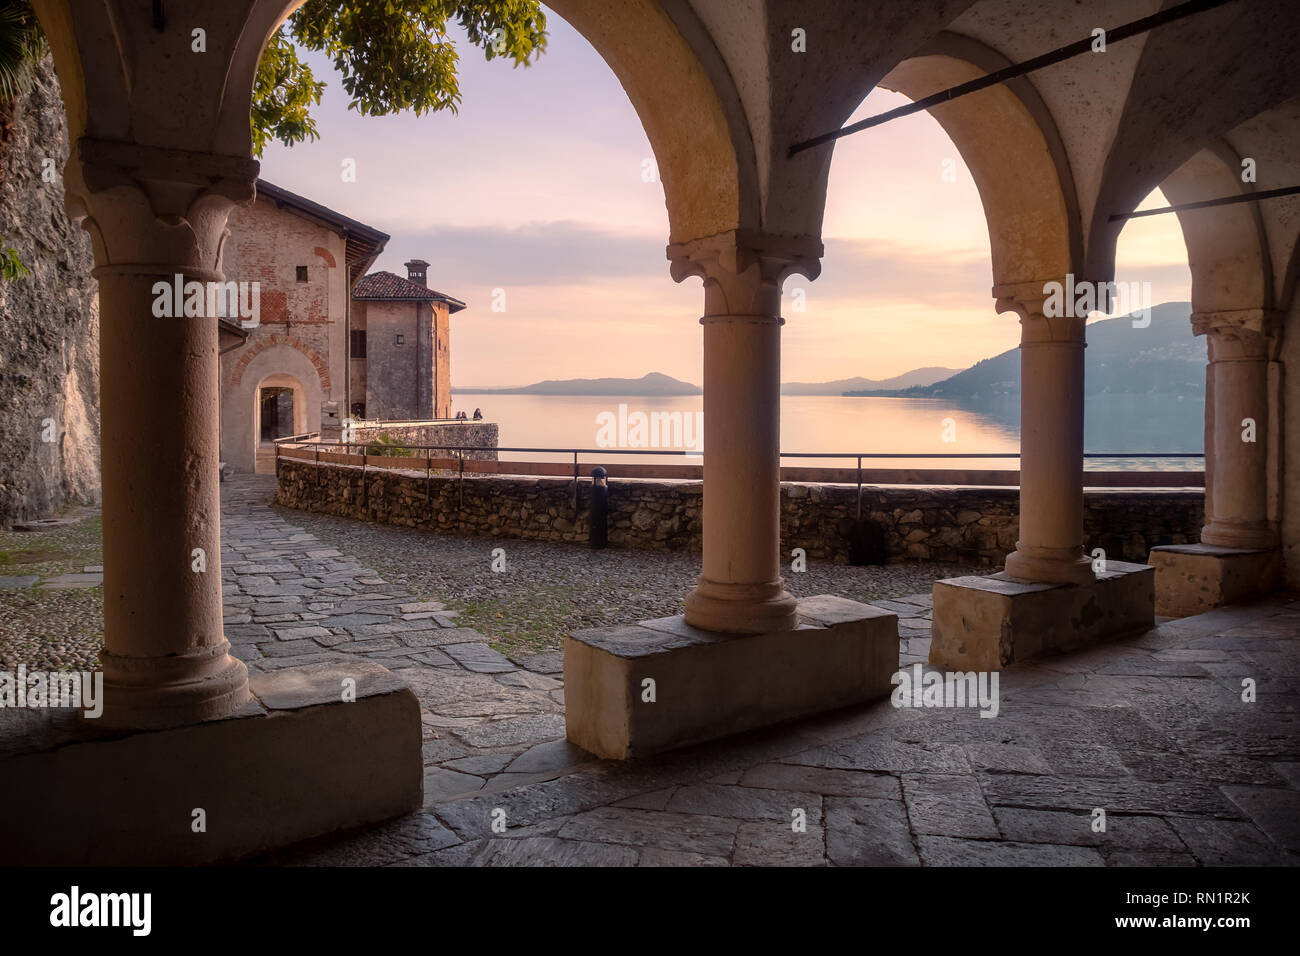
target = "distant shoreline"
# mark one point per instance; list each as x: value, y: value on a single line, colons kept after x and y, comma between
x: 524, y: 391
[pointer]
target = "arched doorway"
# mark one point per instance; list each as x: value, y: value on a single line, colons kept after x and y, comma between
x: 280, y: 410
x: 267, y: 392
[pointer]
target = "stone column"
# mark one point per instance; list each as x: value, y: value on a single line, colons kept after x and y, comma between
x: 741, y: 590
x: 155, y: 214
x: 1241, y: 345
x: 1050, y: 547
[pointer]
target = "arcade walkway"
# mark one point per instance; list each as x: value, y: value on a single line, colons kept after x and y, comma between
x: 1152, y: 730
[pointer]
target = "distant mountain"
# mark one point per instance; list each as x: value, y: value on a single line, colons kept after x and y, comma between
x: 650, y: 385
x: 918, y: 376
x: 1162, y: 359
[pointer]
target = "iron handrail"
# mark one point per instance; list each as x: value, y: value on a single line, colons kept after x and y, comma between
x: 460, y: 451
x: 784, y: 454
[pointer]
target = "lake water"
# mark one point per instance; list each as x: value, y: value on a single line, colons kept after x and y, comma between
x: 838, y: 425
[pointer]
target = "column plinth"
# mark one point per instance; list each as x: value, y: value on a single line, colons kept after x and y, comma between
x: 741, y: 590
x: 1050, y: 545
x: 154, y: 215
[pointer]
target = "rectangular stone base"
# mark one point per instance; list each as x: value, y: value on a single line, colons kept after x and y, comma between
x: 638, y: 689
x: 988, y: 623
x: 1195, y: 578
x: 296, y: 762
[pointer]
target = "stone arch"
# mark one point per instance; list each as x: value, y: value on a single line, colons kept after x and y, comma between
x: 698, y: 135
x: 274, y: 362
x: 249, y: 354
x: 1174, y: 105
x: 1291, y: 279
x: 1227, y: 248
x: 1010, y: 143
x: 686, y: 101
x: 114, y: 47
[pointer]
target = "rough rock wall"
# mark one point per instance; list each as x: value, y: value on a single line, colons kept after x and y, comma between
x: 971, y: 525
x: 49, y: 320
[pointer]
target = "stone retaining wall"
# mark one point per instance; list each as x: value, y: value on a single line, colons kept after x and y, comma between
x: 481, y: 435
x: 970, y: 525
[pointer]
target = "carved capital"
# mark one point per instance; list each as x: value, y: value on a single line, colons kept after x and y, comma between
x: 743, y: 271
x: 153, y: 210
x: 1239, y: 335
x: 1031, y: 302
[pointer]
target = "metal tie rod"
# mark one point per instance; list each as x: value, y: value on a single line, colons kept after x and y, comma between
x: 1206, y: 203
x: 1132, y: 29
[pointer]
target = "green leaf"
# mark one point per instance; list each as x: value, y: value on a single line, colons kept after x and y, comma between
x: 11, y: 267
x: 392, y: 55
x: 21, y: 45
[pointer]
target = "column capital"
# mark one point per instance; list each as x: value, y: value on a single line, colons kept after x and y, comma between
x: 1031, y: 301
x: 154, y: 210
x: 1239, y: 334
x: 743, y: 270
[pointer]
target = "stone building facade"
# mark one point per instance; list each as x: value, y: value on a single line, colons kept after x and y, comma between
x: 329, y: 340
x: 401, y: 347
x: 306, y: 259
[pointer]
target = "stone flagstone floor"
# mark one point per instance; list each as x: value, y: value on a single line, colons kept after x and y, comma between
x: 290, y: 599
x: 1152, y: 730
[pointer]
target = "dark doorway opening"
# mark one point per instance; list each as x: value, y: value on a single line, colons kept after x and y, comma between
x: 277, y: 413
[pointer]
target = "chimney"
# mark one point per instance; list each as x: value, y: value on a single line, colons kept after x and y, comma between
x: 417, y: 270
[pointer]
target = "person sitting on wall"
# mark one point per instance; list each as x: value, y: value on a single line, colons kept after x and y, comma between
x: 478, y: 414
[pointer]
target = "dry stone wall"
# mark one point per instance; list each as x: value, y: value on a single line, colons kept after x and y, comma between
x: 482, y: 436
x: 970, y: 525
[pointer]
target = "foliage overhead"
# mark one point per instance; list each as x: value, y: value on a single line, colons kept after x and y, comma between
x: 21, y: 44
x: 393, y: 55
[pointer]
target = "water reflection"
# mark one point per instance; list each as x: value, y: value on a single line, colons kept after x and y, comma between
x: 839, y: 425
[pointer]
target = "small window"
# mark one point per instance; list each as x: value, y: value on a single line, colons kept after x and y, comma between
x: 400, y: 339
x: 302, y: 273
x: 358, y: 343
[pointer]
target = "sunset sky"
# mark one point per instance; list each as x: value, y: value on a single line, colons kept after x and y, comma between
x: 535, y: 187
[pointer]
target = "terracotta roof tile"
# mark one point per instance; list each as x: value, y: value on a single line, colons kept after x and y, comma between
x: 387, y: 286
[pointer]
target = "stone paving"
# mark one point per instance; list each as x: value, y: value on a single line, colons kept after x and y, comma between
x: 1153, y: 730
x: 552, y: 588
x: 51, y: 593
x: 291, y: 600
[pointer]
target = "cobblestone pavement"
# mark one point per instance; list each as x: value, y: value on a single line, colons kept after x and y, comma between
x: 550, y: 589
x: 1152, y: 730
x: 289, y: 599
x: 51, y: 599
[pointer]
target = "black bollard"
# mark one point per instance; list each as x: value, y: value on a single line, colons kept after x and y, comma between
x: 598, y: 510
x: 867, y: 543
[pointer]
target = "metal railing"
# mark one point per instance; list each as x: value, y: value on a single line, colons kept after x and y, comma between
x: 454, y: 457
x: 294, y: 438
x: 402, y: 422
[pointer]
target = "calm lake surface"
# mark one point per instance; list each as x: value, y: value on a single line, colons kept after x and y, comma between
x: 827, y: 425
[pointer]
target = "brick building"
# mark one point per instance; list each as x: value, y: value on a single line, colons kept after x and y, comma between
x: 309, y: 361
